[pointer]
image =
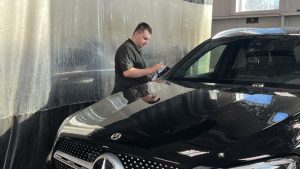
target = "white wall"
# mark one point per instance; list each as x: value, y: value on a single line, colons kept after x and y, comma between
x: 224, y: 16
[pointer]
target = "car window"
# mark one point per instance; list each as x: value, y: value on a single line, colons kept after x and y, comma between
x: 264, y: 59
x: 206, y: 63
x: 268, y: 60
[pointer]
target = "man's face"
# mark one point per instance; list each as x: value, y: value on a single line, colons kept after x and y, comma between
x: 142, y: 38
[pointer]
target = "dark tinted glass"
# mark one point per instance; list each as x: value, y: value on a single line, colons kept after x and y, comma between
x: 272, y: 59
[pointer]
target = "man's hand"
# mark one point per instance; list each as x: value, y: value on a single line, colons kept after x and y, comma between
x: 155, y: 68
x: 151, y: 98
x: 136, y: 73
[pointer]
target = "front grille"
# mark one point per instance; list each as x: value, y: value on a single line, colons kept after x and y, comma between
x: 89, y: 153
x: 133, y: 162
x: 78, y: 149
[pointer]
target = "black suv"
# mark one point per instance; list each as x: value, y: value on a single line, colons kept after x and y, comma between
x: 232, y: 102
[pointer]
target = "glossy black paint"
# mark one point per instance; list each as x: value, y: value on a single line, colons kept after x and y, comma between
x: 206, y: 120
x: 195, y: 123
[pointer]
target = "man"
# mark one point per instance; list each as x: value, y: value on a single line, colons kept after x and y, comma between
x: 130, y: 67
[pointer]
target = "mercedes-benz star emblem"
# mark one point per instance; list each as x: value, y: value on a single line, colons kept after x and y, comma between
x: 107, y: 161
x: 116, y: 136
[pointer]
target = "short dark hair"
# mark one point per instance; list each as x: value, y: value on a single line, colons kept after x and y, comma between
x: 141, y: 27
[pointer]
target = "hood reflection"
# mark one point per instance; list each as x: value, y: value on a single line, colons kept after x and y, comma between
x: 194, y: 115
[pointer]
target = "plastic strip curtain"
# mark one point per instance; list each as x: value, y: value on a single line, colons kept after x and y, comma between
x: 55, y: 53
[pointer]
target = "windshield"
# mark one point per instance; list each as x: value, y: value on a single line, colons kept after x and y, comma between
x: 263, y: 59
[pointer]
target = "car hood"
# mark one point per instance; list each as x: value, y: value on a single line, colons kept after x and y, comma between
x: 208, y: 126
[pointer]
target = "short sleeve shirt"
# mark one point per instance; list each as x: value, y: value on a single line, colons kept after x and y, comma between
x: 128, y: 56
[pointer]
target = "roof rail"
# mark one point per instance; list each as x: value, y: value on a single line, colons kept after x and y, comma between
x: 257, y: 31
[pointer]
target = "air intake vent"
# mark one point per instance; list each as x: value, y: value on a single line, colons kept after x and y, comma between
x: 59, y: 165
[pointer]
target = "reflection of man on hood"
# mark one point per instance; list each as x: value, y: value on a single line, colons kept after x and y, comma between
x: 140, y: 91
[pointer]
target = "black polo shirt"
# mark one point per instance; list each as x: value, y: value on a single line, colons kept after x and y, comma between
x: 128, y: 56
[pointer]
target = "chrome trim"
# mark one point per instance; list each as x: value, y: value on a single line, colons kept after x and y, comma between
x: 71, y: 161
x: 116, y: 136
x: 161, y: 159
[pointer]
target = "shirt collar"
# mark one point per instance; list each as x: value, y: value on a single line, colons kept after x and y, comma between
x: 138, y: 49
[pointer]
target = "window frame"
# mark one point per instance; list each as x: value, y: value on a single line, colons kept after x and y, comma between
x: 179, y: 71
x: 235, y: 12
x: 206, y: 56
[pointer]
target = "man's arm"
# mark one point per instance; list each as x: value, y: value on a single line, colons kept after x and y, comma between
x: 136, y: 73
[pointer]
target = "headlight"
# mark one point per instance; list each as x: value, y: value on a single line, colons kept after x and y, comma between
x: 291, y: 162
x: 280, y: 163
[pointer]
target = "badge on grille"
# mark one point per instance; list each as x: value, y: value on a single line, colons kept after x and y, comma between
x: 107, y: 161
x: 116, y: 136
